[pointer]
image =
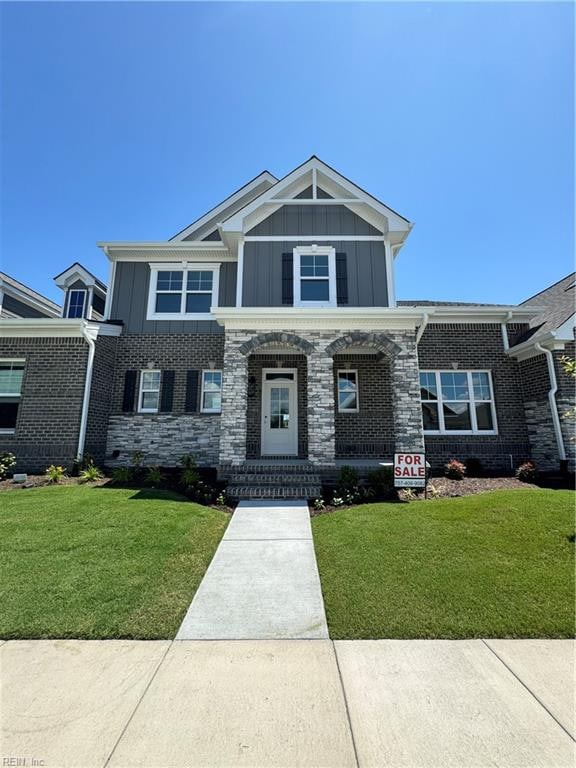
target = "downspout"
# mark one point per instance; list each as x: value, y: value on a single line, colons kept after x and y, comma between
x: 422, y: 328
x: 87, y: 386
x: 552, y: 400
x: 504, y: 330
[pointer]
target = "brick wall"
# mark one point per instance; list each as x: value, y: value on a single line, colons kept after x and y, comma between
x: 163, y: 438
x: 479, y: 347
x: 370, y: 431
x: 51, y: 403
x: 101, y: 397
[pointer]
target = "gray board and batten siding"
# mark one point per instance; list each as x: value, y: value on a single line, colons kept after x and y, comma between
x: 130, y: 300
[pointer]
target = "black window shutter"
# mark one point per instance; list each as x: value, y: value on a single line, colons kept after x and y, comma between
x: 129, y: 391
x: 192, y: 390
x: 341, y: 279
x: 287, y: 278
x: 167, y: 391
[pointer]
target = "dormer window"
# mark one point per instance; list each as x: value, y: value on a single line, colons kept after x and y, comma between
x: 180, y: 292
x: 76, y: 302
x: 314, y: 276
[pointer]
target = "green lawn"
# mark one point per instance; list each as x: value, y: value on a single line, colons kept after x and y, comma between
x: 498, y: 564
x: 98, y: 562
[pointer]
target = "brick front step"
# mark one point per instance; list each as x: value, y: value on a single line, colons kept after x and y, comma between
x: 275, y: 478
x: 274, y: 491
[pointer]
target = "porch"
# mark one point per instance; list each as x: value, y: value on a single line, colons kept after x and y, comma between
x: 319, y: 397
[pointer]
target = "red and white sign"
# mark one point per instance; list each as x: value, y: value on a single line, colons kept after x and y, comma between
x: 409, y: 470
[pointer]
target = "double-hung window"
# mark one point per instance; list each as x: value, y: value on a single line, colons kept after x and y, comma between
x: 182, y: 292
x: 11, y: 375
x: 314, y: 276
x: 211, y: 400
x: 76, y: 300
x: 457, y: 402
x: 149, y: 394
x: 348, y: 391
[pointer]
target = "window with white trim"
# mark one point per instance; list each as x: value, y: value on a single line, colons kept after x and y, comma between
x: 314, y: 276
x: 149, y: 393
x: 76, y: 301
x: 211, y: 399
x: 11, y: 375
x: 457, y: 402
x: 180, y: 292
x: 348, y: 391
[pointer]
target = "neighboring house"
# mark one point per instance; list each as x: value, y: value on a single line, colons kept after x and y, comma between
x: 18, y: 300
x: 269, y: 330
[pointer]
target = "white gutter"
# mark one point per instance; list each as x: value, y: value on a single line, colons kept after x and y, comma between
x: 87, y: 385
x: 422, y: 327
x: 552, y: 400
x: 504, y: 330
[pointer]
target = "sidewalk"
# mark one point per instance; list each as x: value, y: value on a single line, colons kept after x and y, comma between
x: 263, y: 581
x: 288, y: 703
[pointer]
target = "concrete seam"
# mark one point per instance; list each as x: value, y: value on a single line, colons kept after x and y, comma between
x: 347, y: 708
x: 144, y: 692
x: 566, y: 731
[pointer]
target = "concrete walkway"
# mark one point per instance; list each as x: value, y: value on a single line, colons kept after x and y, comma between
x: 263, y: 581
x: 288, y: 703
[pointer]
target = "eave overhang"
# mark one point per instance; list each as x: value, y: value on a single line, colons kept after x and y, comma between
x: 364, y: 318
x: 528, y: 348
x: 190, y: 250
x: 55, y: 328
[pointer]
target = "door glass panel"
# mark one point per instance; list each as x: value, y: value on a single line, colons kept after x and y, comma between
x: 279, y: 408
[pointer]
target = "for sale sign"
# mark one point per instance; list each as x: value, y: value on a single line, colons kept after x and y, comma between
x: 409, y: 470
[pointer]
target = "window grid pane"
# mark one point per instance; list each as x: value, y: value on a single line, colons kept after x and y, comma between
x: 347, y: 391
x: 212, y: 391
x: 315, y: 290
x: 76, y: 304
x: 197, y: 285
x: 465, y: 402
x: 11, y: 375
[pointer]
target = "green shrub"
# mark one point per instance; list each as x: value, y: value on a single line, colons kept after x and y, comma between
x: 454, y: 469
x: 90, y: 474
x: 154, y: 477
x: 527, y: 472
x: 55, y: 473
x: 121, y: 475
x: 7, y: 461
x: 319, y: 505
x: 381, y: 482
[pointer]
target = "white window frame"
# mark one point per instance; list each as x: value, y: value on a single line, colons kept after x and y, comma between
x: 472, y: 401
x: 141, y: 390
x: 183, y: 267
x: 19, y: 361
x: 315, y: 250
x: 355, y: 372
x: 202, y: 390
x: 70, y: 292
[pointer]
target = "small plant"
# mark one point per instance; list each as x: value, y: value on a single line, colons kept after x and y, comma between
x: 381, y: 481
x: 154, y: 477
x: 137, y: 459
x: 55, y: 473
x: 7, y: 461
x: 348, y: 479
x: 337, y: 501
x: 121, y: 475
x: 221, y: 499
x: 409, y: 494
x: 474, y: 467
x: 189, y: 474
x: 433, y: 491
x: 454, y: 469
x: 527, y: 472
x: 319, y: 505
x: 90, y: 474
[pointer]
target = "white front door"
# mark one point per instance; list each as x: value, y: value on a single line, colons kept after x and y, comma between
x: 279, y: 412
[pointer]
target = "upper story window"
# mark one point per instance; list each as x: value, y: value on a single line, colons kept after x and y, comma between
x: 183, y: 292
x: 457, y: 402
x: 314, y: 276
x: 11, y: 375
x: 76, y: 301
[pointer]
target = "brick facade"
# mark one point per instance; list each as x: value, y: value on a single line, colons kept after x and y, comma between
x: 470, y: 347
x: 51, y: 401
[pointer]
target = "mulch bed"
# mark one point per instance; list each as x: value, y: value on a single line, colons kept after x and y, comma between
x: 37, y: 481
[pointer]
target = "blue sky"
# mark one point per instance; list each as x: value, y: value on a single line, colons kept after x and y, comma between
x: 126, y: 121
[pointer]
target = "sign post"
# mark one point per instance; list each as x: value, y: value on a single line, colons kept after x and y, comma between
x: 410, y: 470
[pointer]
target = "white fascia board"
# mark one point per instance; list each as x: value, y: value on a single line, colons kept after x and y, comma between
x: 75, y: 272
x: 527, y: 349
x: 463, y: 314
x: 167, y: 251
x: 55, y: 328
x: 236, y: 222
x: 210, y: 219
x: 345, y: 318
